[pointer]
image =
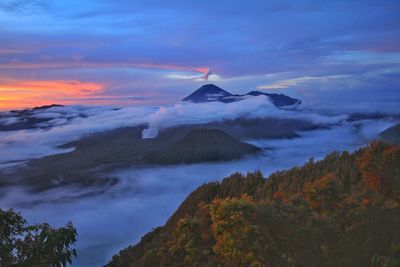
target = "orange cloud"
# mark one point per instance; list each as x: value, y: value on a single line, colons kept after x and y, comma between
x: 19, y: 94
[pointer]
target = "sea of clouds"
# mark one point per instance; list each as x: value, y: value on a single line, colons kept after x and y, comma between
x: 108, y: 221
x: 146, y: 197
x: 70, y: 123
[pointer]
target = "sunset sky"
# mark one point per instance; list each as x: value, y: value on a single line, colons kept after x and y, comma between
x: 156, y: 52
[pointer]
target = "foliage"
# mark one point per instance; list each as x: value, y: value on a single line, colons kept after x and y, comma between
x: 341, y: 211
x: 233, y: 227
x: 34, y: 245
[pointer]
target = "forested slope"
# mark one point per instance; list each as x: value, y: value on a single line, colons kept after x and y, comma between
x: 341, y: 211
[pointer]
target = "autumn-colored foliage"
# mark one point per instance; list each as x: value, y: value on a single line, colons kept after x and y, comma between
x: 234, y: 229
x: 322, y: 193
x: 279, y: 196
x: 376, y: 166
x: 341, y: 211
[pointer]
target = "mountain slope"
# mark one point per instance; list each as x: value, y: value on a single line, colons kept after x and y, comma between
x: 212, y: 93
x: 201, y: 145
x: 206, y: 93
x: 341, y: 211
x: 391, y: 135
x: 279, y: 100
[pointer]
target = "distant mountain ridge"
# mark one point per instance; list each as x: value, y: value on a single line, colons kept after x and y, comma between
x: 213, y: 93
x: 14, y: 120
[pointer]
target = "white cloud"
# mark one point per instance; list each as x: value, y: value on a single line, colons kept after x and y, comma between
x: 146, y: 197
x: 282, y: 84
x: 26, y: 144
x: 250, y: 107
x: 66, y: 123
x: 190, y: 113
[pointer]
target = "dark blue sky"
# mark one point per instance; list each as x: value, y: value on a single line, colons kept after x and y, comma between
x: 155, y: 52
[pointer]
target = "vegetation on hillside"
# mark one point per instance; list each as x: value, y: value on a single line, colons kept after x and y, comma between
x: 341, y: 211
x: 39, y: 245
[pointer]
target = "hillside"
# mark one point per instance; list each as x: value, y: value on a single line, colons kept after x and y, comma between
x: 341, y: 211
x: 201, y: 145
x: 392, y: 134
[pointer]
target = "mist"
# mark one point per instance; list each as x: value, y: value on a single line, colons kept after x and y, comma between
x: 38, y: 142
x: 70, y: 123
x: 251, y: 108
x: 110, y: 220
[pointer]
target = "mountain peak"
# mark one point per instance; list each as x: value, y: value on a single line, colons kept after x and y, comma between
x: 213, y: 93
x: 207, y: 93
x: 210, y: 87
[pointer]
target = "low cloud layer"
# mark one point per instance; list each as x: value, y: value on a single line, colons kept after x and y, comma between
x: 31, y: 143
x: 145, y: 198
x: 69, y: 123
x: 250, y: 107
x: 189, y: 113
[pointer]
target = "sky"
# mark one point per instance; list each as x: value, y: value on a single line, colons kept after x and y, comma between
x: 333, y: 54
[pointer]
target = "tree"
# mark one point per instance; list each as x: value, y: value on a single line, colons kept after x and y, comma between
x: 378, y: 165
x: 323, y: 193
x: 34, y: 245
x: 235, y: 232
x: 343, y: 210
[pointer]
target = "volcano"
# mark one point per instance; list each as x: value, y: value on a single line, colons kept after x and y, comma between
x: 202, y: 145
x: 213, y: 93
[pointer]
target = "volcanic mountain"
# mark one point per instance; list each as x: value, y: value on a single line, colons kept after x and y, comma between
x: 212, y: 93
x: 124, y: 147
x: 201, y: 145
